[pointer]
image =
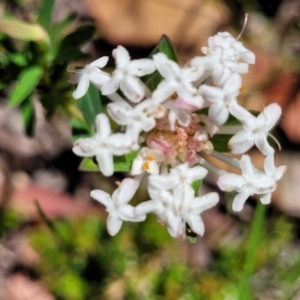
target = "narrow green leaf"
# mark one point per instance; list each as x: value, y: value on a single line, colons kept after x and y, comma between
x: 90, y: 104
x: 27, y: 81
x: 28, y: 116
x: 45, y: 13
x: 58, y: 28
x: 165, y: 46
x: 220, y: 142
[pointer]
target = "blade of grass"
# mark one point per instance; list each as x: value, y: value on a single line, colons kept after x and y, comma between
x: 244, y: 291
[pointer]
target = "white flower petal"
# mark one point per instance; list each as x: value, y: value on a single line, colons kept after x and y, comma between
x: 114, y: 224
x: 121, y: 56
x: 102, y: 197
x: 105, y: 162
x: 239, y: 200
x: 82, y: 87
x: 196, y: 224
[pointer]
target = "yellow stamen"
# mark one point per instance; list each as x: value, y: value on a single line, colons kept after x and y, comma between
x: 150, y: 157
x: 146, y: 166
x: 118, y: 183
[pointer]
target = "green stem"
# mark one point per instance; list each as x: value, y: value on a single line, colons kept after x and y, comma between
x: 244, y: 291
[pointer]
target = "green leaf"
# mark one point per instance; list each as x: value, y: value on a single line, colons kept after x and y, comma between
x: 220, y: 142
x: 121, y: 163
x: 45, y: 13
x: 28, y: 117
x: 88, y: 165
x: 18, y: 58
x: 28, y: 79
x: 164, y: 46
x: 90, y: 104
x: 57, y: 30
x: 196, y: 185
x: 68, y: 54
x: 191, y: 235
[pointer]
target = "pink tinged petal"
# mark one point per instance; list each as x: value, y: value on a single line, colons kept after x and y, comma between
x: 121, y: 56
x: 196, y: 224
x: 103, y: 126
x: 100, y: 62
x: 82, y: 87
x: 241, y: 142
x: 132, y: 88
x: 163, y: 182
x: 141, y: 67
x: 266, y: 199
x: 146, y: 207
x: 263, y: 145
x: 102, y: 197
x: 124, y: 193
x: 218, y: 113
x: 114, y: 224
x: 105, y: 162
x: 239, y: 200
x: 167, y: 68
x: 230, y: 182
x: 205, y: 202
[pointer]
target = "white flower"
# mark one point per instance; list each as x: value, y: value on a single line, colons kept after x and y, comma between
x: 180, y: 175
x: 147, y: 160
x: 90, y: 73
x: 190, y: 207
x: 222, y: 99
x: 178, y: 80
x: 223, y: 56
x: 117, y: 206
x: 177, y: 207
x: 104, y: 145
x: 249, y: 183
x: 137, y: 119
x: 126, y: 75
x: 256, y: 130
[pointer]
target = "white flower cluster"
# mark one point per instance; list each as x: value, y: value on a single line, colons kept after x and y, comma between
x: 170, y: 127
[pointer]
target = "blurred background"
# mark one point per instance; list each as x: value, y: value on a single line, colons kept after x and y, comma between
x: 53, y: 239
